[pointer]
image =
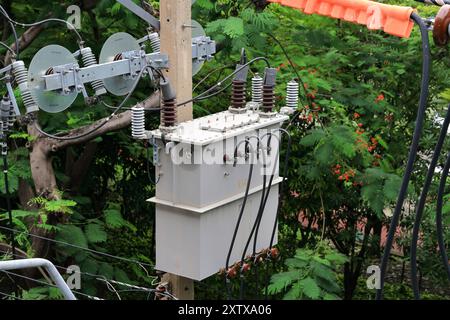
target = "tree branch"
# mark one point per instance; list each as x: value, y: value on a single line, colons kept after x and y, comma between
x: 25, y: 41
x: 116, y: 123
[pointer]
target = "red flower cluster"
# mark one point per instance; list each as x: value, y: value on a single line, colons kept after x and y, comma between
x: 343, y: 175
x: 347, y: 175
x: 373, y: 145
x: 379, y: 98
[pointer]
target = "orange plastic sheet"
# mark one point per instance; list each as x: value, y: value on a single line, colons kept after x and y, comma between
x: 395, y: 20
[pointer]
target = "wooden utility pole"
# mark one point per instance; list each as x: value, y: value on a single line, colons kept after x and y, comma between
x: 176, y: 41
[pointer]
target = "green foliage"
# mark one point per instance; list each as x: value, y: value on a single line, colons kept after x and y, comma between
x: 311, y: 274
x: 350, y: 144
x: 42, y: 293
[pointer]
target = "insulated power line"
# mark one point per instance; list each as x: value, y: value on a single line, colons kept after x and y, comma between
x: 13, y: 29
x: 48, y: 284
x: 102, y: 278
x: 424, y: 91
x: 25, y: 25
x: 280, y: 195
x: 78, y: 247
x: 207, y: 94
x: 7, y: 47
x: 241, y: 213
x: 9, y: 296
x: 439, y: 224
x: 422, y: 201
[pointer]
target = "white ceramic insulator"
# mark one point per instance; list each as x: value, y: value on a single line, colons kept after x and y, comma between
x: 138, y: 122
x: 21, y: 75
x: 89, y: 60
x: 155, y: 42
x: 257, y: 89
x: 292, y: 94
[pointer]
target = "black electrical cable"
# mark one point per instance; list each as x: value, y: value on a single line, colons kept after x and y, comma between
x: 128, y: 109
x: 214, y: 93
x: 421, y: 204
x: 291, y: 63
x: 257, y: 223
x: 101, y: 125
x: 219, y: 84
x: 263, y: 192
x: 238, y: 222
x: 280, y: 195
x: 25, y: 25
x: 413, y: 149
x: 210, y: 74
x: 439, y: 225
x: 13, y: 29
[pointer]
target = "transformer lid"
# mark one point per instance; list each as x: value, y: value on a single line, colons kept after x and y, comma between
x: 219, y: 127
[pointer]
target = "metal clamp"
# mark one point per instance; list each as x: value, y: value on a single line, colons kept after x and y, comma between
x: 203, y: 48
x: 67, y: 71
x: 137, y: 62
x: 156, y: 149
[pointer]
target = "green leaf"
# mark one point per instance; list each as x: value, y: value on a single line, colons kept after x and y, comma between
x: 234, y: 27
x: 293, y: 293
x: 336, y: 258
x: 310, y: 288
x: 392, y: 187
x: 329, y: 296
x: 106, y: 270
x: 312, y: 139
x: 62, y: 206
x: 95, y: 233
x: 72, y: 234
x: 205, y: 4
x: 121, y: 275
x: 280, y: 281
x: 293, y: 263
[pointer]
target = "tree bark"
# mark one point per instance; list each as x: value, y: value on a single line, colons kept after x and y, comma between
x: 25, y: 41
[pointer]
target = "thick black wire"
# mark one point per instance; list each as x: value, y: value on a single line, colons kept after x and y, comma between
x: 13, y: 29
x: 280, y: 195
x: 210, y: 74
x: 413, y: 150
x: 421, y: 204
x: 439, y: 225
x: 238, y: 222
x: 291, y: 63
x: 202, y: 96
x: 128, y: 109
x: 257, y: 223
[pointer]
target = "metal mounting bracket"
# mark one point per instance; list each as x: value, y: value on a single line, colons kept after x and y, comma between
x: 141, y: 13
x: 203, y: 48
